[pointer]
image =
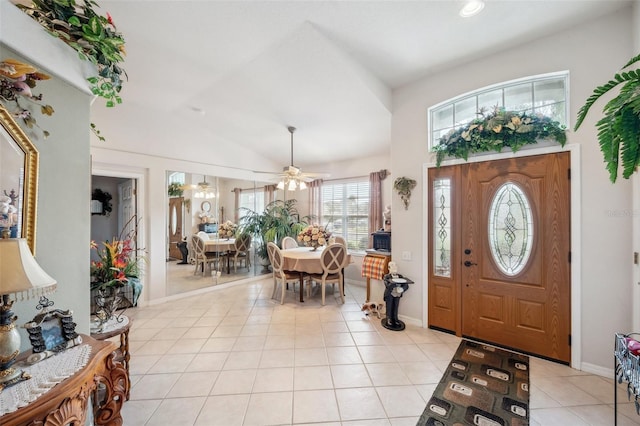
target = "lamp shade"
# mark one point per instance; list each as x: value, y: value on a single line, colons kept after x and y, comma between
x: 19, y: 271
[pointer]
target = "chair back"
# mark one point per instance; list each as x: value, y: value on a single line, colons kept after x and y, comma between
x: 275, y: 256
x: 289, y: 243
x: 198, y: 245
x: 333, y: 258
x: 203, y: 235
x: 242, y: 243
x: 341, y: 240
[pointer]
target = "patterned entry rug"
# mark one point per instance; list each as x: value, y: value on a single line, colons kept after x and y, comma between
x: 483, y: 386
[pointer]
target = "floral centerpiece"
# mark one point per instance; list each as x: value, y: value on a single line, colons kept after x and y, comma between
x: 118, y: 266
x: 314, y: 236
x: 227, y: 229
x: 496, y: 130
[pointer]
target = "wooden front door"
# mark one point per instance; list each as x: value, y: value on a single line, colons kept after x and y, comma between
x: 175, y: 226
x: 509, y: 277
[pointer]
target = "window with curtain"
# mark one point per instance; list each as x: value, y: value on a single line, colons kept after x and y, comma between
x: 252, y: 200
x: 542, y: 94
x: 345, y: 211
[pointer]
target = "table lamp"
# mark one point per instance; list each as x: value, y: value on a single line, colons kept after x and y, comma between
x: 20, y: 275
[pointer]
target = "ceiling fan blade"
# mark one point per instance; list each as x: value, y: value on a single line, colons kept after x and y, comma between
x: 315, y: 175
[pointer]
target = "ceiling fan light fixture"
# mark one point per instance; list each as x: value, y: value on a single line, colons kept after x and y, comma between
x: 471, y: 8
x: 292, y: 185
x: 280, y: 185
x: 303, y: 185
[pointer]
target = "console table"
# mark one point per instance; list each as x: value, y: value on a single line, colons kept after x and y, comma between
x: 67, y: 403
x: 117, y: 326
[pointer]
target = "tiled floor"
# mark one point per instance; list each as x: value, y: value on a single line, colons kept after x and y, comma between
x: 235, y: 357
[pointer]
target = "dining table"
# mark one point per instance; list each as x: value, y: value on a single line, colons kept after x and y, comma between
x: 304, y: 260
x: 220, y: 245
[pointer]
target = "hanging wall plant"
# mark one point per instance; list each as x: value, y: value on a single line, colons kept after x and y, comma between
x: 105, y: 198
x: 93, y: 36
x: 497, y: 130
x: 404, y: 186
x: 619, y: 129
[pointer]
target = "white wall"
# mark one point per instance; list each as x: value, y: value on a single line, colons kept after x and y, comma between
x: 62, y: 227
x: 592, y: 53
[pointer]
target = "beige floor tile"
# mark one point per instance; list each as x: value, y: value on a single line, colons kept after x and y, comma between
x: 199, y: 332
x: 303, y: 341
x: 402, y: 421
x: 564, y: 392
x: 408, y: 353
x: 313, y: 406
x: 310, y: 356
x: 171, y: 363
x: 401, y: 401
x: 154, y: 386
x: 368, y: 338
x: 316, y: 377
x: 338, y: 339
x: 219, y: 344
x: 193, y: 384
x: 187, y: 346
x: 421, y: 372
x: 137, y: 413
x: 273, y: 408
x: 363, y: 324
x: 254, y: 330
x: 599, y: 387
x: 242, y: 360
x: 334, y: 327
x: 155, y: 347
x: 376, y: 354
x: 213, y: 361
x: 277, y: 358
x: 437, y: 351
x: 234, y: 382
x: 279, y: 342
x: 343, y: 355
x: 227, y: 331
x: 387, y: 374
x: 141, y: 364
x: 249, y: 343
x: 350, y: 376
x: 393, y: 338
x: 602, y: 415
x: 223, y: 410
x: 172, y: 412
x: 144, y: 334
x: 273, y: 380
x: 359, y: 404
x: 556, y: 417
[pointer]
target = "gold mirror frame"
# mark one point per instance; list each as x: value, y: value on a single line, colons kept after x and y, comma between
x: 30, y: 178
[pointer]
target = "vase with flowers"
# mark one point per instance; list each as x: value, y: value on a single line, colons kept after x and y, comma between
x: 227, y: 229
x: 314, y: 236
x: 117, y: 267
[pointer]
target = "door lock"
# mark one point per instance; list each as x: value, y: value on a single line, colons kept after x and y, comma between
x: 467, y: 251
x: 469, y: 263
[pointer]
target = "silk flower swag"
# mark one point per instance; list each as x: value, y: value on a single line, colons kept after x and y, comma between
x: 497, y: 130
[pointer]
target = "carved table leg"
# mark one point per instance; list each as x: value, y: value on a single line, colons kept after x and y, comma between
x: 116, y: 386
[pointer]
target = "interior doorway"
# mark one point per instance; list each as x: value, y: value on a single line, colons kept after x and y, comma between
x: 500, y: 252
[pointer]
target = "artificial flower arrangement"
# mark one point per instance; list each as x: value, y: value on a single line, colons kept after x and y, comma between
x: 227, y: 229
x: 314, y: 236
x: 17, y: 80
x: 119, y: 262
x: 496, y: 130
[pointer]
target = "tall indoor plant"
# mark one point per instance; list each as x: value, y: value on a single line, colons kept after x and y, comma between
x: 278, y: 220
x: 619, y: 129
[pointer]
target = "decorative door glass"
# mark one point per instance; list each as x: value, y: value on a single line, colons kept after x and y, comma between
x: 442, y: 227
x: 510, y: 228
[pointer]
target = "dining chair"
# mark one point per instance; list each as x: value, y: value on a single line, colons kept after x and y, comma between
x: 241, y: 251
x: 289, y: 243
x: 280, y: 276
x: 332, y: 260
x: 341, y: 240
x: 201, y: 256
x: 203, y: 235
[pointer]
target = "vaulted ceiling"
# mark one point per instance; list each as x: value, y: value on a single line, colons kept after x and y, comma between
x: 240, y: 72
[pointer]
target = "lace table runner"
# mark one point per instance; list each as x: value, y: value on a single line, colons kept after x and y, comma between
x: 44, y: 376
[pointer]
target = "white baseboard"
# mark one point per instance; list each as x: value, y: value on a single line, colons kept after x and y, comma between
x: 596, y: 369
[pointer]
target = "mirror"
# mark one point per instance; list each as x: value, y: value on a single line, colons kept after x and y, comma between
x: 18, y: 180
x: 204, y: 203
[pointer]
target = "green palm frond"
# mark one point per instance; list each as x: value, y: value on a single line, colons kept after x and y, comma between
x: 630, y: 76
x: 619, y: 128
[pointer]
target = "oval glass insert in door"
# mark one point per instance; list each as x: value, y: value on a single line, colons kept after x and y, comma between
x: 510, y: 229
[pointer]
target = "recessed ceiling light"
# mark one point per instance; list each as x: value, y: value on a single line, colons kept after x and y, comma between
x: 472, y: 8
x: 197, y: 110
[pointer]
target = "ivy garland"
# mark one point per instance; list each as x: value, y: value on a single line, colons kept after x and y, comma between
x: 497, y: 130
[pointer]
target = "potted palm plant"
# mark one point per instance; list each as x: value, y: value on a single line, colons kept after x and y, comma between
x: 278, y: 220
x: 619, y: 129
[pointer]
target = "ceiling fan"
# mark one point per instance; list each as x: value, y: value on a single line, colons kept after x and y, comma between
x: 203, y: 189
x: 293, y: 177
